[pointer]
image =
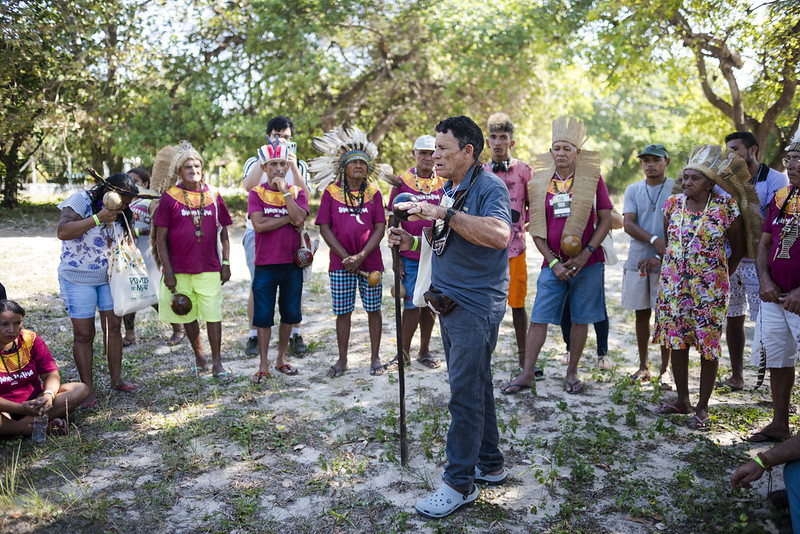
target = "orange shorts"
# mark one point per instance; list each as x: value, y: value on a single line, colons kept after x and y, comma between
x: 518, y: 286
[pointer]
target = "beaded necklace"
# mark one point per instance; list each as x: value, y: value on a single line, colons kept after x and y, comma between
x: 350, y: 199
x: 790, y: 231
x: 430, y: 182
x: 14, y: 348
x: 197, y: 214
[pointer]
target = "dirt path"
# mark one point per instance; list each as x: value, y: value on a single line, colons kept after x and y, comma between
x: 313, y: 454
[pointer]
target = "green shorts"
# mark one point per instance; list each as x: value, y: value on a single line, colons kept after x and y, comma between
x: 205, y: 292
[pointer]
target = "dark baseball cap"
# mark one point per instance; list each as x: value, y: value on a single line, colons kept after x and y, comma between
x: 654, y: 150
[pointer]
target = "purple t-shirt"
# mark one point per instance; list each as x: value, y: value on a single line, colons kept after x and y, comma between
x: 784, y: 271
x: 277, y: 246
x: 352, y: 230
x: 555, y: 226
x: 187, y: 254
x: 429, y: 190
x: 516, y: 179
x: 20, y: 369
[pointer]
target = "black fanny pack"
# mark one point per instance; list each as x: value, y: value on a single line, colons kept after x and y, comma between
x: 438, y: 301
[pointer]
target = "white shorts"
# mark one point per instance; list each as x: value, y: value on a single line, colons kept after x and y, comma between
x: 639, y: 292
x: 744, y: 291
x: 778, y: 332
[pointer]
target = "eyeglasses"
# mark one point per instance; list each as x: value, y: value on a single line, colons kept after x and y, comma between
x: 791, y: 159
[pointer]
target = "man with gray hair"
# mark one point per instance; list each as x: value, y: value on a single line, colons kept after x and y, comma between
x: 422, y: 182
x: 469, y: 274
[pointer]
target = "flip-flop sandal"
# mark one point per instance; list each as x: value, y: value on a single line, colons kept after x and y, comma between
x: 429, y: 362
x: 195, y: 371
x: 223, y: 376
x: 57, y: 427
x: 669, y: 409
x: 538, y: 374
x: 261, y: 375
x: 640, y: 377
x: 506, y: 390
x: 573, y: 387
x: 701, y: 425
x: 90, y: 405
x: 392, y: 365
x: 126, y: 388
x: 377, y: 370
x: 760, y: 437
x: 602, y: 363
x: 724, y: 385
x: 175, y: 339
x: 287, y: 369
x: 335, y: 372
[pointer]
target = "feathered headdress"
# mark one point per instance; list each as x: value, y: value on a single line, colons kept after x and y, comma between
x: 168, y: 163
x: 274, y: 150
x: 339, y: 147
x: 794, y: 145
x: 725, y: 168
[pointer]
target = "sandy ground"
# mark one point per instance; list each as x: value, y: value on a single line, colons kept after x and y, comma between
x: 335, y: 471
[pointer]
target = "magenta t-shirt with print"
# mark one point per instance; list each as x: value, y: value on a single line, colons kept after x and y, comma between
x: 188, y: 256
x: 516, y: 179
x: 429, y: 190
x: 21, y: 367
x: 555, y: 226
x: 278, y: 246
x: 352, y: 230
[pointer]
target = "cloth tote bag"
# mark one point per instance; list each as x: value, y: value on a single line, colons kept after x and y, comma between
x: 423, y: 273
x: 132, y: 288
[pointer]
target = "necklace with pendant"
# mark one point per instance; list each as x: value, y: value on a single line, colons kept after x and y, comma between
x: 196, y: 213
x: 647, y: 190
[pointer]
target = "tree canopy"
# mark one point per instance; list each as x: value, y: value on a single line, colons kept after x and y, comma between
x: 101, y: 81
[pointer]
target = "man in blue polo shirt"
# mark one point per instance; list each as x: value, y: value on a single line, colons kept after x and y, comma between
x: 469, y: 284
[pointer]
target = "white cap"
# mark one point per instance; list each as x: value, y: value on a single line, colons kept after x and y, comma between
x: 425, y: 142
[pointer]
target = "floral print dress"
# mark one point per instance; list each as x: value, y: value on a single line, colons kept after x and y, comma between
x: 693, y: 288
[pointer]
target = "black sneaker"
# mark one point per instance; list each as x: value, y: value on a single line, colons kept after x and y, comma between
x: 252, y: 346
x: 298, y: 346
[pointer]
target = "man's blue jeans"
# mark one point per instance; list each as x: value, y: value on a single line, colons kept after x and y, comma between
x: 469, y: 341
x: 791, y: 477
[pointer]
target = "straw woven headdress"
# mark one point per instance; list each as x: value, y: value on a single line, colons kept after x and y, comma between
x: 168, y: 163
x: 725, y: 168
x: 587, y: 175
x: 166, y: 173
x: 339, y: 147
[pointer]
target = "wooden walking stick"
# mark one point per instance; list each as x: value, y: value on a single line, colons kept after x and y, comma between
x: 401, y: 359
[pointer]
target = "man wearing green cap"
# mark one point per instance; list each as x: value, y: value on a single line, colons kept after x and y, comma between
x: 644, y: 222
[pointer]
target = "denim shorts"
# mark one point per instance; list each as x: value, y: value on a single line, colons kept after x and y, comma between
x: 287, y: 277
x: 82, y: 301
x: 410, y: 269
x: 343, y: 292
x: 586, y: 291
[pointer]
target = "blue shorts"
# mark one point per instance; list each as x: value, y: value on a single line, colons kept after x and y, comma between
x: 268, y: 279
x: 249, y: 244
x: 82, y: 301
x: 343, y: 293
x: 410, y: 269
x: 587, y: 296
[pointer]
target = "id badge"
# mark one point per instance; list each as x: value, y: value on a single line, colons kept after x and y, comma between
x: 447, y: 202
x: 561, y: 205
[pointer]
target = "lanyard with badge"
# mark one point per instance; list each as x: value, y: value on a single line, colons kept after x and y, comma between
x: 562, y: 199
